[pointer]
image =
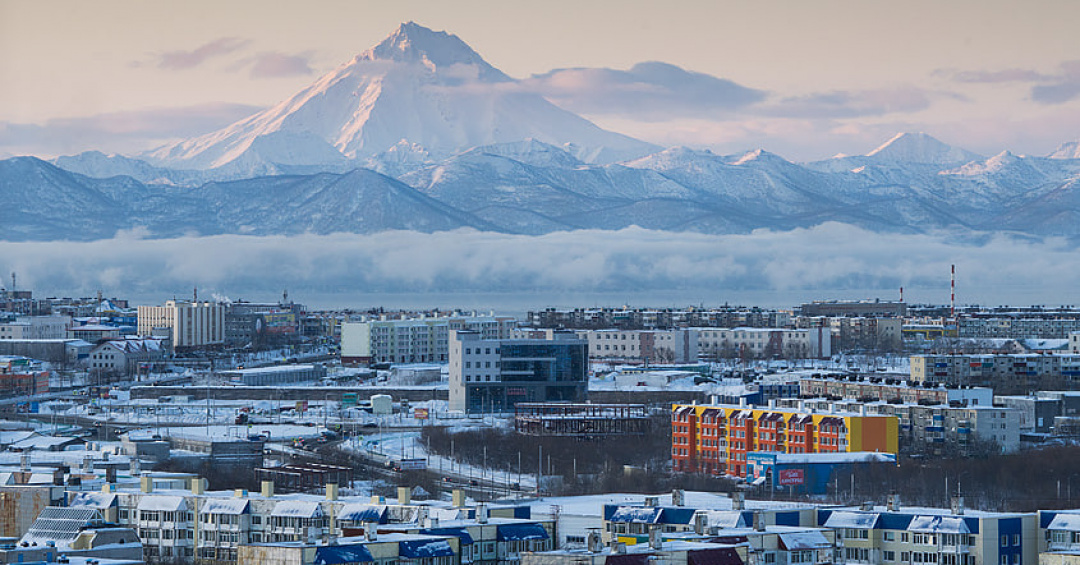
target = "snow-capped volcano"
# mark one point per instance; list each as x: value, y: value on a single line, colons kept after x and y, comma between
x: 418, y: 85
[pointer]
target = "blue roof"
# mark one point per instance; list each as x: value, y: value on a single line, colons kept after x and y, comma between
x: 636, y: 514
x: 648, y: 514
x: 421, y: 549
x: 362, y: 513
x: 460, y: 533
x: 335, y: 554
x: 521, y: 532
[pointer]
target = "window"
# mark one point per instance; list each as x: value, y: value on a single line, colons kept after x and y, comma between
x: 1004, y: 543
x: 890, y: 556
x: 1016, y: 539
x: 889, y: 536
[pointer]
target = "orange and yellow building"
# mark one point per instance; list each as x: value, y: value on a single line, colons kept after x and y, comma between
x: 715, y: 439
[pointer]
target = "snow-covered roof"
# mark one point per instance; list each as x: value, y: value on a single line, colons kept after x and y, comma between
x: 796, y: 541
x: 162, y: 503
x: 98, y: 500
x: 854, y: 520
x: 223, y: 506
x: 1065, y: 521
x: 297, y: 509
x: 424, y: 549
x: 836, y: 457
x: 724, y: 518
x: 43, y: 442
x: 939, y: 524
x: 355, y: 512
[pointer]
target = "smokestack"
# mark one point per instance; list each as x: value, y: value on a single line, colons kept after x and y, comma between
x: 952, y: 295
x: 901, y: 294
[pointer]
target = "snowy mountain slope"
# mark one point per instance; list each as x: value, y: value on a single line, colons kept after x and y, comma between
x: 418, y: 85
x: 920, y: 148
x: 42, y: 201
x: 360, y: 201
x: 1067, y: 150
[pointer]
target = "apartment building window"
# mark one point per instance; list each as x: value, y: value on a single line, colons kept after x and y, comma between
x: 889, y: 536
x: 1016, y: 539
x: 890, y: 555
x: 1004, y: 542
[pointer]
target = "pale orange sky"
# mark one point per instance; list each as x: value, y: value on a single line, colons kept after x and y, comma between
x: 84, y: 59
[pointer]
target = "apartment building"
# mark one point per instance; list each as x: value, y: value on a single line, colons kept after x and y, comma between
x: 35, y: 327
x: 492, y: 375
x: 934, y: 427
x: 764, y: 343
x: 415, y: 340
x: 1007, y: 372
x: 956, y: 536
x: 1019, y: 325
x: 715, y: 439
x: 645, y: 318
x: 188, y: 324
x: 870, y: 389
x: 213, y: 528
x: 643, y: 346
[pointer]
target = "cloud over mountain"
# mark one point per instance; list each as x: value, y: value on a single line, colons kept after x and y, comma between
x: 182, y: 60
x: 649, y: 91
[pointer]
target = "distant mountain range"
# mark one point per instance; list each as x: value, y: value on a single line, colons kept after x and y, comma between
x: 420, y: 133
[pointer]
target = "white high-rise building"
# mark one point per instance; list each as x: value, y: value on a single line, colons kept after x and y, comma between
x: 190, y: 324
x: 414, y: 340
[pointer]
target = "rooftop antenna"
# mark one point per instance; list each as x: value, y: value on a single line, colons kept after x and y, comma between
x: 195, y: 294
x: 285, y: 296
x: 12, y: 281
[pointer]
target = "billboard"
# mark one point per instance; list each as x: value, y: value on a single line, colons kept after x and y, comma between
x: 789, y: 477
x: 420, y: 413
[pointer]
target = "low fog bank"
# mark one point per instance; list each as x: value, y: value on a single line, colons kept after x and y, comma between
x: 597, y: 267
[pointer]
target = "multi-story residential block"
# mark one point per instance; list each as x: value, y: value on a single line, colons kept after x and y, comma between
x: 646, y: 346
x: 764, y: 343
x: 1036, y: 414
x: 715, y: 439
x: 1049, y: 324
x: 870, y: 389
x: 935, y: 427
x: 645, y: 318
x: 854, y: 308
x: 35, y: 327
x: 492, y: 375
x: 21, y: 375
x: 215, y: 528
x: 419, y: 340
x: 893, y: 535
x: 1005, y: 373
x: 189, y: 324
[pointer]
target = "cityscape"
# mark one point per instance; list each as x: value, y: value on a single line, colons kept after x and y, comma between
x: 835, y: 431
x: 575, y: 283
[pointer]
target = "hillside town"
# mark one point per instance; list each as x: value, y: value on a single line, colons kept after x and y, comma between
x: 209, y: 431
